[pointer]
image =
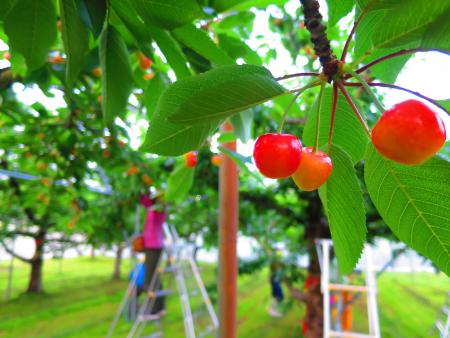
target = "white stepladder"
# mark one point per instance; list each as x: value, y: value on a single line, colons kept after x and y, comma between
x: 323, y: 247
x: 443, y: 325
x: 181, y: 263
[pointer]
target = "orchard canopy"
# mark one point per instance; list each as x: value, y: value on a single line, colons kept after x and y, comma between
x: 129, y: 96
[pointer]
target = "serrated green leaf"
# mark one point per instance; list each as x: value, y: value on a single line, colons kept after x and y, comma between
x: 414, y: 202
x: 239, y: 5
x: 437, y: 34
x: 171, y: 50
x: 346, y: 124
x: 116, y: 73
x: 75, y: 37
x: 179, y: 183
x: 338, y: 9
x: 199, y: 41
x: 168, y: 13
x: 31, y: 29
x: 93, y: 14
x: 343, y: 200
x: 219, y: 93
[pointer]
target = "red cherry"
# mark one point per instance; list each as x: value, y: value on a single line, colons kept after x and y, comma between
x: 277, y: 155
x: 144, y: 62
x: 409, y: 133
x: 190, y: 159
x: 314, y: 169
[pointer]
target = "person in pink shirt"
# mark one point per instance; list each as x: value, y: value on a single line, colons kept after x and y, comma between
x: 153, y: 244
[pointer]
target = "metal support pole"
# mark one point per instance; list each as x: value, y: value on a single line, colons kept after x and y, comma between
x: 10, y: 272
x: 228, y: 225
x: 325, y: 287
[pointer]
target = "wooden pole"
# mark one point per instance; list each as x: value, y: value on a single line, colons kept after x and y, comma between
x: 228, y: 225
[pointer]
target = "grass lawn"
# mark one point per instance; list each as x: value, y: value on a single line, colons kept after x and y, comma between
x: 80, y: 301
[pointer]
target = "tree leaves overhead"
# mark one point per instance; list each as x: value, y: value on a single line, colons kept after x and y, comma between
x: 219, y: 93
x: 116, y: 73
x: 342, y: 198
x: 338, y: 9
x: 414, y: 202
x: 31, y: 29
x: 75, y: 37
x: 179, y: 183
x: 168, y: 13
x: 199, y: 41
x: 92, y: 13
x: 152, y: 93
x: 171, y: 50
x: 346, y: 124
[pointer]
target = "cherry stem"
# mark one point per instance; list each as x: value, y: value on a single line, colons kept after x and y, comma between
x: 350, y: 36
x: 297, y: 92
x: 334, y: 101
x: 319, y: 108
x: 289, y: 76
x: 368, y: 90
x: 354, y: 108
x: 388, y: 85
x: 393, y: 55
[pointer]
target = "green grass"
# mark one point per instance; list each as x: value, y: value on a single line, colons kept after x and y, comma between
x: 80, y: 301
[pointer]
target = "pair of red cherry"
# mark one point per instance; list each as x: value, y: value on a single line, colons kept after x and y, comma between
x: 282, y: 155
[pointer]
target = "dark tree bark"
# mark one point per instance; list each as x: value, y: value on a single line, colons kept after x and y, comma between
x: 118, y: 262
x: 37, y: 263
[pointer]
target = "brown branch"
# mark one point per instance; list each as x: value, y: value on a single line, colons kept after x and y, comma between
x: 288, y: 76
x: 313, y: 22
x: 349, y: 38
x: 388, y: 85
x: 12, y: 253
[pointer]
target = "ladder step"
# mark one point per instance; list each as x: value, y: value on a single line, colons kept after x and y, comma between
x: 440, y: 326
x: 352, y: 288
x: 148, y: 318
x: 346, y: 334
x: 171, y: 268
x: 159, y: 293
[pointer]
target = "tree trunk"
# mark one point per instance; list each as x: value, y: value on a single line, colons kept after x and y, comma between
x: 117, y: 262
x: 37, y: 262
x: 316, y: 228
x: 92, y: 251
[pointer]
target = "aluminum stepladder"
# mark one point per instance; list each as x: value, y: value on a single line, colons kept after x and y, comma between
x: 443, y: 325
x: 323, y: 247
x: 180, y: 259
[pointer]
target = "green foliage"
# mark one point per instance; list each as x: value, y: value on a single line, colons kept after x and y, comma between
x: 218, y: 94
x: 413, y: 201
x: 337, y: 10
x: 31, y: 29
x: 179, y: 183
x: 93, y: 14
x: 116, y: 73
x: 342, y: 198
x: 75, y: 38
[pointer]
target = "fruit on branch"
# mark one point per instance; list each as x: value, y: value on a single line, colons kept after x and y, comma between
x: 97, y: 72
x: 41, y: 166
x: 7, y: 55
x: 132, y: 170
x: 277, y: 155
x: 148, y: 76
x: 144, y: 62
x: 106, y: 153
x: 216, y: 160
x: 314, y: 169
x: 147, y: 180
x: 57, y: 59
x: 409, y: 133
x: 190, y: 159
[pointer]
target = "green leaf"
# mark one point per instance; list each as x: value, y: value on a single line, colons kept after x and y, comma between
x: 242, y: 124
x: 388, y: 70
x: 219, y: 93
x: 155, y: 88
x: 169, y: 139
x: 414, y: 202
x: 75, y: 37
x: 445, y: 104
x: 116, y: 73
x: 437, y: 34
x: 5, y: 6
x: 338, y: 9
x: 179, y: 183
x: 93, y: 14
x: 31, y: 29
x: 239, y: 5
x: 226, y: 137
x: 343, y: 200
x: 168, y: 13
x: 241, y: 161
x: 171, y: 50
x: 345, y: 124
x: 199, y: 41
x: 134, y: 24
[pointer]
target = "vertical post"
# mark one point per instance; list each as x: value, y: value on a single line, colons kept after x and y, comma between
x: 228, y: 224
x: 374, y: 325
x: 10, y: 272
x: 325, y: 288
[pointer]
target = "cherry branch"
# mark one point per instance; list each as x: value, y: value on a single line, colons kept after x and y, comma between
x: 12, y: 253
x: 350, y: 36
x: 354, y: 108
x: 388, y: 85
x: 289, y: 76
x: 393, y: 55
x: 334, y: 101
